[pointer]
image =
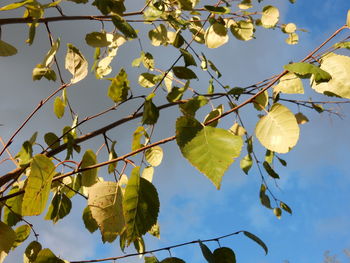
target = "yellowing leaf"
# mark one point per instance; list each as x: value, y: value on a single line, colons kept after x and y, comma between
x: 216, y: 35
x: 338, y: 67
x: 12, y: 216
x: 289, y: 28
x: 46, y: 255
x: 22, y: 233
x: 76, y: 63
x: 105, y: 203
x: 158, y: 36
x: 89, y: 177
x: 15, y: 5
x: 154, y: 155
x: 237, y: 129
x: 8, y: 237
x: 58, y: 107
x: 242, y: 30
x: 6, y: 49
x: 211, y: 150
x: 147, y: 173
x: 301, y: 118
x: 278, y: 131
x: 270, y: 16
x: 289, y: 84
x: 37, y: 189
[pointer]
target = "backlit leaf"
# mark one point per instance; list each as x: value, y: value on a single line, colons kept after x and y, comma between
x: 257, y: 240
x: 289, y: 84
x: 264, y: 199
x: 270, y: 170
x: 89, y: 177
x: 119, y: 88
x: 246, y: 163
x: 76, y: 63
x: 141, y: 206
x: 188, y: 58
x: 105, y: 203
x: 289, y: 28
x: 285, y: 207
x: 270, y: 16
x: 147, y: 80
x: 216, y: 35
x: 338, y: 66
x: 224, y: 255
x: 154, y: 155
x: 147, y: 173
x: 211, y: 150
x: 158, y: 36
x: 37, y: 189
x: 22, y: 233
x: 190, y: 107
x: 59, y: 207
x: 214, y: 113
x: 150, y: 113
x: 292, y: 39
x: 278, y: 131
x: 6, y: 49
x: 12, y: 216
x: 15, y: 5
x: 278, y: 212
x: 307, y: 70
x: 31, y: 252
x: 89, y: 222
x: 59, y: 107
x: 97, y: 39
x: 237, y: 129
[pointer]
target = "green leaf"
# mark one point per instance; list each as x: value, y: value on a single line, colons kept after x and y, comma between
x: 214, y: 113
x: 141, y: 206
x: 150, y: 113
x: 155, y: 230
x: 217, y: 9
x: 22, y: 233
x: 15, y: 5
x: 207, y: 254
x: 59, y: 208
x: 214, y: 68
x: 46, y: 256
x: 76, y: 64
x: 158, y: 36
x: 110, y: 6
x: 184, y: 73
x: 8, y: 237
x: 40, y: 71
x: 105, y: 203
x: 338, y: 66
x: 187, y: 4
x: 242, y: 30
x: 154, y: 155
x: 6, y: 49
x: 270, y: 16
x: 257, y: 240
x: 151, y: 260
x: 264, y: 199
x: 216, y: 35
x: 188, y: 58
x: 190, y: 107
x: 172, y: 260
x: 278, y: 131
x: 301, y: 118
x: 59, y: 107
x: 24, y: 156
x: 119, y: 88
x: 147, y: 80
x: 112, y: 155
x: 137, y: 135
x: 283, y: 162
x: 37, y: 189
x: 51, y: 140
x: 285, y: 207
x: 224, y: 255
x: 278, y: 212
x: 97, y: 39
x: 12, y: 216
x: 31, y: 252
x: 237, y: 129
x: 261, y: 101
x: 270, y: 171
x: 211, y: 150
x: 89, y: 222
x: 342, y: 45
x: 289, y: 84
x: 246, y: 163
x: 124, y: 27
x: 79, y: 1
x: 89, y: 177
x: 306, y: 70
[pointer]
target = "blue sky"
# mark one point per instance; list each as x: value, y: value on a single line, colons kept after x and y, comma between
x: 315, y: 183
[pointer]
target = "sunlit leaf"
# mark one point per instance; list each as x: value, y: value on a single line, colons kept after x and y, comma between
x: 147, y: 173
x: 278, y: 131
x: 124, y: 27
x: 211, y: 150
x: 216, y: 35
x: 246, y: 163
x: 307, y: 70
x: 188, y: 58
x: 59, y: 107
x: 237, y: 129
x: 292, y: 39
x: 261, y: 101
x: 147, y: 80
x: 158, y: 36
x: 38, y: 185
x: 151, y: 260
x: 278, y: 212
x: 285, y: 207
x: 154, y: 155
x: 105, y: 203
x: 190, y: 107
x: 46, y: 255
x: 89, y: 177
x: 150, y: 113
x: 76, y: 63
x: 289, y: 84
x: 97, y: 39
x: 119, y: 88
x: 12, y: 216
x: 269, y: 155
x: 110, y: 6
x: 15, y: 5
x: 257, y: 240
x: 242, y: 30
x: 213, y: 114
x: 41, y: 71
x: 270, y: 16
x: 6, y: 49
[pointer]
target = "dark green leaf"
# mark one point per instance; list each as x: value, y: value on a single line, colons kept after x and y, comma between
x: 190, y: 107
x: 59, y: 208
x: 246, y: 163
x: 31, y: 252
x: 150, y: 113
x: 8, y: 237
x: 184, y: 73
x: 89, y: 177
x: 47, y: 256
x: 269, y: 156
x: 119, y: 88
x: 12, y: 216
x: 124, y: 27
x: 6, y: 49
x: 257, y: 240
x: 304, y: 69
x: 283, y: 162
x: 108, y: 6
x: 97, y: 39
x: 22, y: 233
x: 285, y: 207
x: 217, y: 9
x: 224, y: 255
x: 270, y: 171
x: 151, y: 260
x: 264, y: 199
x: 172, y: 260
x: 52, y: 140
x: 207, y: 254
x: 188, y: 58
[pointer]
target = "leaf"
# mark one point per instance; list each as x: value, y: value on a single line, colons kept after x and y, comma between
x: 105, y: 203
x: 24, y: 156
x: 6, y: 49
x: 278, y: 131
x: 119, y: 88
x: 211, y: 150
x: 216, y: 35
x: 224, y: 255
x: 12, y: 216
x: 306, y: 70
x: 158, y: 36
x: 172, y: 260
x: 151, y: 260
x: 188, y: 58
x: 22, y: 233
x: 342, y: 45
x: 207, y: 254
x: 8, y: 237
x: 301, y: 118
x: 264, y: 199
x: 278, y: 212
x: 154, y: 155
x: 150, y: 113
x: 289, y: 28
x: 214, y: 113
x: 292, y: 39
x: 31, y: 252
x: 246, y: 163
x: 155, y: 230
x: 283, y: 162
x: 112, y: 155
x: 338, y: 67
x: 51, y: 140
x: 245, y: 4
x: 40, y: 71
x: 184, y: 73
x: 257, y: 240
x: 15, y: 5
x: 270, y: 16
x: 261, y: 101
x: 110, y: 6
x: 124, y: 27
x: 89, y: 177
x: 242, y: 30
x: 89, y: 222
x: 97, y: 39
x: 137, y: 135
x: 37, y: 189
x: 237, y: 129
x: 148, y: 172
x: 59, y: 107
x: 289, y: 84
x: 217, y: 9
x: 147, y: 80
x: 46, y: 255
x: 270, y: 171
x: 285, y: 207
x: 190, y: 107
x: 214, y: 68
x: 59, y: 208
x: 269, y: 155
x: 76, y: 64
x: 141, y: 206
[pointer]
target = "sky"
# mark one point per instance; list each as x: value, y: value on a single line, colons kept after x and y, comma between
x: 315, y: 183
